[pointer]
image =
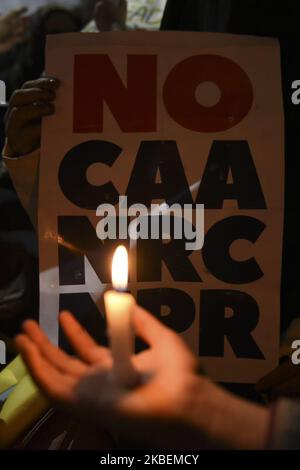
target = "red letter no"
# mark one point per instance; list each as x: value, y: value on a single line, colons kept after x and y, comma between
x: 133, y: 105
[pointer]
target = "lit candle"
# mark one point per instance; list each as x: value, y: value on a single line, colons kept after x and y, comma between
x: 118, y: 307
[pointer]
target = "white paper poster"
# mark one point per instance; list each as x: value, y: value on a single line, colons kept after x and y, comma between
x: 185, y: 118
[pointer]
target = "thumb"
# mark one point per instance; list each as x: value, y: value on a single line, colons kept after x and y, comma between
x: 149, y: 328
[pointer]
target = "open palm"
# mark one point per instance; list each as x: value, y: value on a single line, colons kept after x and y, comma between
x: 85, y: 384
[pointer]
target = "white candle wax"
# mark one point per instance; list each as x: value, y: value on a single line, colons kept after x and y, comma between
x: 118, y: 307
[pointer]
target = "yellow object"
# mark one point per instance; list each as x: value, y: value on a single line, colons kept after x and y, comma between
x: 12, y: 374
x: 24, y: 405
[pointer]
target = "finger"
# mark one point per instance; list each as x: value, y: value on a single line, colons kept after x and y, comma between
x: 168, y: 344
x: 149, y: 328
x: 53, y: 383
x: 19, y: 117
x: 144, y: 361
x: 29, y: 139
x: 53, y: 354
x: 31, y: 95
x: 43, y: 82
x: 84, y: 345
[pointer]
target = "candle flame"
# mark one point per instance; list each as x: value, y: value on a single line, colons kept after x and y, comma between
x: 119, y: 271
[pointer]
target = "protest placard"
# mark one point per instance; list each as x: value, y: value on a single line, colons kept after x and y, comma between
x: 190, y: 118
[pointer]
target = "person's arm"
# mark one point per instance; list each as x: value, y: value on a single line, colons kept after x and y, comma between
x: 285, y: 429
x: 24, y: 175
x: 27, y: 107
x: 172, y: 406
x: 228, y: 420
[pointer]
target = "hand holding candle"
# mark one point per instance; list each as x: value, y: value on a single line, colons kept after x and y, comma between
x: 174, y: 406
x: 118, y: 306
